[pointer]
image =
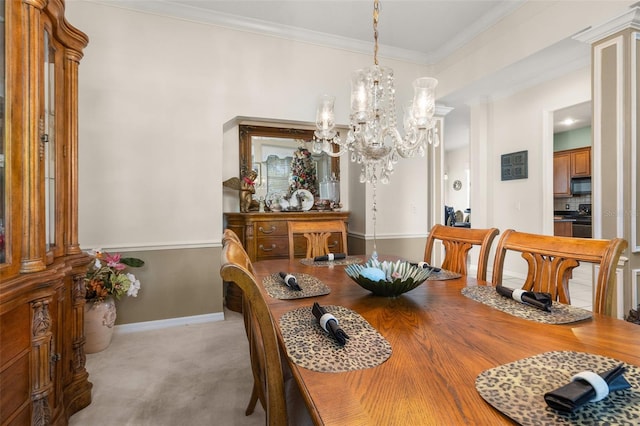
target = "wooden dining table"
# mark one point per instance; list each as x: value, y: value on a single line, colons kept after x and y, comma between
x: 441, y: 341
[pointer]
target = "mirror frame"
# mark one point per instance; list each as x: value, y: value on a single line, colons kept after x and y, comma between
x: 247, y: 132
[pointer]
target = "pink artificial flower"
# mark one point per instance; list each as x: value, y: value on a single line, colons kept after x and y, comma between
x: 113, y: 261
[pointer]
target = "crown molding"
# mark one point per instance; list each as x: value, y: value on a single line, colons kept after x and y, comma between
x: 442, y: 110
x: 628, y: 20
x: 256, y: 26
x: 185, y: 12
x: 478, y: 27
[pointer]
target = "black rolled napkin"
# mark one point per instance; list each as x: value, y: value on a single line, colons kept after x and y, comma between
x: 425, y: 265
x: 290, y: 281
x: 330, y: 256
x: 579, y: 391
x: 329, y: 323
x: 536, y: 299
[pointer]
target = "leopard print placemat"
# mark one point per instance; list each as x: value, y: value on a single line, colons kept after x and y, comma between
x: 443, y: 274
x: 311, y: 347
x: 340, y: 262
x: 517, y: 390
x: 560, y: 313
x: 310, y: 285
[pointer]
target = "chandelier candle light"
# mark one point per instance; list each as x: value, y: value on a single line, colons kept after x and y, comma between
x: 373, y: 139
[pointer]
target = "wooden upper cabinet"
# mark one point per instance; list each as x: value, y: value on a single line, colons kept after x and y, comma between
x: 562, y: 174
x: 573, y: 163
x: 581, y: 162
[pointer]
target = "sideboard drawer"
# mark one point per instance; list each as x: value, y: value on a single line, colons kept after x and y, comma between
x: 272, y: 229
x: 272, y: 248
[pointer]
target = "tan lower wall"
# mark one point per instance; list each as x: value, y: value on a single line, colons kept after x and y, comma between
x: 174, y: 284
x: 411, y: 249
x: 186, y: 282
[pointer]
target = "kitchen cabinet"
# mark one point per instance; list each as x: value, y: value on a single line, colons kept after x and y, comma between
x: 563, y: 228
x: 265, y: 236
x: 581, y: 162
x: 561, y: 174
x: 43, y: 379
x: 573, y: 163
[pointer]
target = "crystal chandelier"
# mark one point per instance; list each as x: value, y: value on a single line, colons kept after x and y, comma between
x: 373, y: 139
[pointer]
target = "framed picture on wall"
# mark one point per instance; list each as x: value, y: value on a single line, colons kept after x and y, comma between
x: 514, y: 165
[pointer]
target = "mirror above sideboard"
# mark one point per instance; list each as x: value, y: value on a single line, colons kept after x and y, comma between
x: 270, y: 151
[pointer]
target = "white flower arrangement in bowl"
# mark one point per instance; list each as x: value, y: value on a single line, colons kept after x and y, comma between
x: 387, y: 278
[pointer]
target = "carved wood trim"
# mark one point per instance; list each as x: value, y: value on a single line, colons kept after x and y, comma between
x: 41, y: 337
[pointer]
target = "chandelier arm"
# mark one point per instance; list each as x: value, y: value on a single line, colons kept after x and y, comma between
x: 341, y: 151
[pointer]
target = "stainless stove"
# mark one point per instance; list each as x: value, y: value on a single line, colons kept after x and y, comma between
x: 582, y: 226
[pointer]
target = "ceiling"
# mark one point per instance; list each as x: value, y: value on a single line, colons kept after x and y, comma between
x: 421, y: 31
x: 571, y: 118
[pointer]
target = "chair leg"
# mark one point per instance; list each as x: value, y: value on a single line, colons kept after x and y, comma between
x: 253, y: 400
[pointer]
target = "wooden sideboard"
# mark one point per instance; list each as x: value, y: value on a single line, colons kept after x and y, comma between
x: 264, y: 236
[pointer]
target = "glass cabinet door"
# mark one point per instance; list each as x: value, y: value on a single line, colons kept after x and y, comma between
x: 48, y: 136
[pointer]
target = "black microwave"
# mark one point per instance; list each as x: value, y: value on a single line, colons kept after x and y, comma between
x: 581, y: 186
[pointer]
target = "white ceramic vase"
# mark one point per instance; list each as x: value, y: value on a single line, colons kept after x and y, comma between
x: 99, y: 320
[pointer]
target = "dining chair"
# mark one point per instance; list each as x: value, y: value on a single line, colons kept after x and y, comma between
x: 317, y: 235
x: 274, y: 385
x: 457, y: 242
x: 232, y: 293
x: 551, y: 260
x: 229, y: 235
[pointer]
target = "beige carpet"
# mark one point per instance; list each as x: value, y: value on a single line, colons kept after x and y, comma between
x: 185, y: 375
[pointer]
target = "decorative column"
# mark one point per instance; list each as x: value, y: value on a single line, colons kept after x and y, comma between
x: 435, y: 186
x: 436, y: 170
x: 33, y: 235
x: 72, y: 60
x: 616, y: 200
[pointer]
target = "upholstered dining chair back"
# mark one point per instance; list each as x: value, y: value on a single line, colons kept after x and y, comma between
x: 551, y: 260
x: 273, y: 384
x: 317, y: 236
x: 457, y: 242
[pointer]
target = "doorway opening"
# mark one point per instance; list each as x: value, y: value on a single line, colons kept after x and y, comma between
x: 572, y: 202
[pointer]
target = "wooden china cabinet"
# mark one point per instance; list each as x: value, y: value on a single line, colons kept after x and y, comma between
x: 43, y: 379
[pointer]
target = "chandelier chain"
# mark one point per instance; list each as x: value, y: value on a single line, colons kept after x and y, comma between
x: 376, y: 13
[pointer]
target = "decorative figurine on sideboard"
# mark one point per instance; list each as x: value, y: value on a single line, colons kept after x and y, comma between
x: 246, y: 186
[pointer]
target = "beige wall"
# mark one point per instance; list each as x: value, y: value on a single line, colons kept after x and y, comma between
x: 156, y: 94
x: 511, y: 124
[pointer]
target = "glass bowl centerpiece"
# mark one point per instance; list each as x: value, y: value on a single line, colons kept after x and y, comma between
x: 387, y: 278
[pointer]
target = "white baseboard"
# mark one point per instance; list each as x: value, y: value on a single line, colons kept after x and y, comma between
x: 166, y: 323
